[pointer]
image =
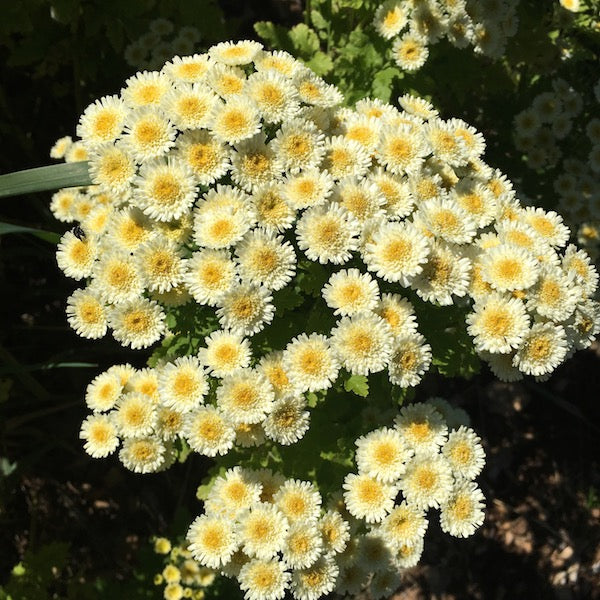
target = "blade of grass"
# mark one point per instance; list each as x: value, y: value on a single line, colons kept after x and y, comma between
x: 43, y: 179
x: 48, y: 236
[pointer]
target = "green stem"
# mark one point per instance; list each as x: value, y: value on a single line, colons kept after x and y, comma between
x: 43, y: 179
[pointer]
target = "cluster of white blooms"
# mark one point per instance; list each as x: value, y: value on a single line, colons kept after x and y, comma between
x: 561, y: 131
x: 272, y: 534
x: 161, y: 43
x: 215, y: 176
x: 417, y: 24
x: 147, y: 411
x: 182, y: 576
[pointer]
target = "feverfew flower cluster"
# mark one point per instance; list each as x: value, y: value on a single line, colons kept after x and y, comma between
x: 561, y: 131
x: 161, y: 43
x: 146, y: 412
x: 417, y: 24
x: 273, y: 535
x: 181, y: 576
x: 220, y: 175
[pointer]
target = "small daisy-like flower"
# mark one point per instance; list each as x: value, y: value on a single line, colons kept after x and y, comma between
x: 273, y: 212
x: 404, y: 526
x: 364, y: 130
x: 208, y: 158
x: 361, y: 199
x: 103, y: 392
x: 345, y: 158
x: 232, y: 493
x: 299, y: 501
x: 225, y: 80
x: 402, y: 149
x: 246, y: 309
x: 76, y: 153
x: 160, y: 264
x: 264, y: 579
x: 544, y: 347
x: 234, y: 120
x: 577, y: 263
x: 410, y: 51
x: 212, y: 540
x: 86, y: 314
x: 144, y: 381
x: 134, y: 415
x: 188, y: 69
x: 349, y: 292
x: 328, y: 234
x: 266, y: 259
x: 335, y: 532
x: 445, y: 144
x: 427, y: 481
x: 148, y: 134
x: 225, y: 353
x: 145, y: 89
x: 445, y: 274
x: 498, y: 323
x: 410, y: 359
x: 128, y: 229
x: 169, y: 423
x: 448, y: 221
x: 409, y: 556
x: 315, y: 581
x: 288, y: 420
x: 63, y: 204
x: 165, y: 190
x: 298, y: 144
x: 189, y: 106
x: 102, y: 121
x: 209, y: 274
x: 222, y: 219
x: 271, y: 366
x: 249, y: 435
x: 143, y: 455
x: 398, y: 313
x: 397, y: 252
x: 254, y: 164
x: 100, y: 435
x: 462, y: 513
x: 368, y: 498
x: 208, y: 431
x: 399, y: 202
x: 363, y: 343
x: 548, y: 225
x: 555, y: 294
x: 316, y: 91
x: 61, y: 146
x: 508, y: 268
x: 245, y: 396
x: 303, y: 545
x: 183, y: 384
x: 390, y: 19
x: 262, y: 530
x: 374, y: 553
x: 464, y: 453
x: 235, y: 53
x: 117, y: 278
x: 279, y: 61
x: 312, y: 187
x: 75, y: 257
x: 422, y: 427
x: 382, y: 454
x: 274, y: 95
x: 138, y: 323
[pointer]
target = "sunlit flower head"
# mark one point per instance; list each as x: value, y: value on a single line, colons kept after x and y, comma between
x: 137, y: 323
x: 234, y: 120
x: 102, y: 121
x: 148, y: 134
x: 382, y: 454
x: 100, y: 435
x: 410, y: 52
x: 225, y: 353
x: 464, y: 453
x: 422, y: 428
x: 368, y: 498
x: 288, y: 420
x: 245, y: 309
x: 543, y: 349
x: 143, y: 455
x: 410, y: 359
x: 245, y: 396
x: 145, y: 89
x: 462, y: 513
x: 86, y: 314
x: 298, y: 144
x: 208, y: 431
x: 183, y: 384
x: 212, y: 540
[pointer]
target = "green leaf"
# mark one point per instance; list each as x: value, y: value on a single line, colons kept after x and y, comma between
x: 43, y: 179
x: 304, y: 39
x: 358, y: 384
x: 318, y: 20
x: 48, y: 236
x: 384, y: 82
x: 275, y: 35
x: 320, y: 63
